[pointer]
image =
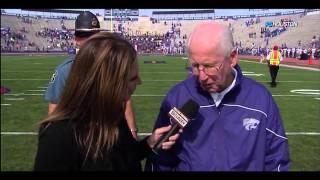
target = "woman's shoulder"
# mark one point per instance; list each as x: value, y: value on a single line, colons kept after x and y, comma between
x: 61, y: 128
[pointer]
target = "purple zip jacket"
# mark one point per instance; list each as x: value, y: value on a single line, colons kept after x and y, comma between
x: 244, y: 133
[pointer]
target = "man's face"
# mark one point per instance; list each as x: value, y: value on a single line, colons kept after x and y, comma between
x: 213, y: 71
x: 79, y: 41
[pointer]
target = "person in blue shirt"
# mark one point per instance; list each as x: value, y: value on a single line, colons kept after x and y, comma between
x: 86, y: 25
x: 238, y: 126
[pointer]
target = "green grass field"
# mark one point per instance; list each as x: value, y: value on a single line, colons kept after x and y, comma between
x: 28, y: 76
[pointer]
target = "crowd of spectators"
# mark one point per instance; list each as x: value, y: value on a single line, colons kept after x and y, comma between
x: 169, y: 43
x: 15, y: 41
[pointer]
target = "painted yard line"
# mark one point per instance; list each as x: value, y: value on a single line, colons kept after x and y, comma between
x: 19, y: 133
x: 291, y: 95
x: 165, y: 72
x: 38, y: 90
x: 25, y: 79
x: 159, y: 80
x: 304, y: 133
x: 147, y: 134
x: 23, y: 94
x: 253, y: 74
x: 160, y: 95
x: 148, y: 95
x: 285, y: 65
x: 294, y: 81
x: 5, y: 104
x: 27, y: 71
x: 164, y: 80
x: 14, y: 99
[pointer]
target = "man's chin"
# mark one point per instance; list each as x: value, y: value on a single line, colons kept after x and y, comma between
x: 211, y: 89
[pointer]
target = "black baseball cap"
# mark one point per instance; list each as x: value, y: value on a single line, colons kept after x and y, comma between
x: 86, y: 24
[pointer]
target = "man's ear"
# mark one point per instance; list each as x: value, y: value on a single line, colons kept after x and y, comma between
x: 234, y: 57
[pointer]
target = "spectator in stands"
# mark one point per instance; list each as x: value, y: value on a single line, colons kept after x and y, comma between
x: 88, y: 130
x: 232, y: 130
x: 274, y: 58
x: 86, y: 25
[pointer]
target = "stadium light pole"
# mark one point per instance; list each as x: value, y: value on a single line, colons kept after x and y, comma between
x: 111, y: 27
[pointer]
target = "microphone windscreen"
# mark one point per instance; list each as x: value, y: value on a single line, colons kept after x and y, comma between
x: 190, y: 109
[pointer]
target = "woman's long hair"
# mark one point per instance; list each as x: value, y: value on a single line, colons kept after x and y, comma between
x: 95, y: 92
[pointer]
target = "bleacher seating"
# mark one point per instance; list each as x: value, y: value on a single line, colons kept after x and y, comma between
x: 306, y: 29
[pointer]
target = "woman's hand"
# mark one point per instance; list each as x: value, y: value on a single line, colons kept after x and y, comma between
x: 156, y: 135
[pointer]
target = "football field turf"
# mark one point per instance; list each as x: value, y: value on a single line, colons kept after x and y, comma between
x: 297, y: 95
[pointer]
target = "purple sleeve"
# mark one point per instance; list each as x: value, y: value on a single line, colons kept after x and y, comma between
x: 277, y: 153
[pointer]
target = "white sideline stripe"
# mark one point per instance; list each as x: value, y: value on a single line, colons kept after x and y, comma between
x: 26, y: 71
x: 34, y: 133
x: 14, y: 99
x: 295, y: 95
x: 150, y: 80
x: 164, y: 80
x: 5, y: 104
x: 161, y: 95
x: 285, y: 65
x: 147, y: 134
x: 22, y: 94
x: 253, y: 74
x: 303, y: 133
x: 148, y: 95
x: 19, y: 133
x: 276, y: 133
x: 169, y: 80
x: 25, y: 79
x: 41, y: 90
x: 165, y: 72
x: 294, y: 81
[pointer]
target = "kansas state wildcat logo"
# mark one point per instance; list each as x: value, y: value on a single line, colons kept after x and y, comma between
x: 250, y: 123
x: 53, y: 77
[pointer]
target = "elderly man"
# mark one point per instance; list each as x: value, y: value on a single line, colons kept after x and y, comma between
x: 233, y: 130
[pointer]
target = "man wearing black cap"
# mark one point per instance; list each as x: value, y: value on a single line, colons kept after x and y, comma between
x: 86, y: 25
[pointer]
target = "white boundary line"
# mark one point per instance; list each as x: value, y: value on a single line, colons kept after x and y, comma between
x: 147, y: 134
x: 161, y: 95
x: 285, y: 65
x: 14, y: 99
x: 25, y: 79
x: 5, y: 104
x: 36, y: 90
x: 154, y: 80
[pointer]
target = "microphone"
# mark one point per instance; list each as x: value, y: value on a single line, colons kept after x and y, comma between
x: 181, y: 118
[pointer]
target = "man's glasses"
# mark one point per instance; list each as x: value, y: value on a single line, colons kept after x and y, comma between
x: 209, y: 69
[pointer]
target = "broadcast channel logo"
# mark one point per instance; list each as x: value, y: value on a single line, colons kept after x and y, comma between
x: 281, y: 24
x: 269, y: 24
